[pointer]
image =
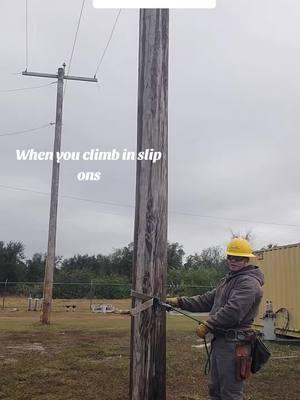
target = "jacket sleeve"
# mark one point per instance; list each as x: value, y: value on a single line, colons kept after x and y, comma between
x: 239, y: 303
x: 200, y: 303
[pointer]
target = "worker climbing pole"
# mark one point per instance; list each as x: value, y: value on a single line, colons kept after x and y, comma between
x: 148, y: 326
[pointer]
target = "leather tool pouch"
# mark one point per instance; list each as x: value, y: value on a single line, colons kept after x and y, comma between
x: 243, y: 360
x: 260, y: 355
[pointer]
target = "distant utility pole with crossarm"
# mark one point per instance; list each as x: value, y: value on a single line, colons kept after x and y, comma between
x: 50, y: 262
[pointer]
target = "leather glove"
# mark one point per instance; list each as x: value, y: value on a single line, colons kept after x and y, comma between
x: 173, y: 301
x: 202, y: 330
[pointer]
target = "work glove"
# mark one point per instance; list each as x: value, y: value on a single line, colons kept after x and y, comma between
x: 173, y: 301
x: 202, y: 330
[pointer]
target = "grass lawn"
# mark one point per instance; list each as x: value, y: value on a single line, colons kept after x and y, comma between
x: 86, y: 356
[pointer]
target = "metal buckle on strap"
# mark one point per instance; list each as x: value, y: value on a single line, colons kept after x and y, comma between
x: 234, y: 335
x: 231, y: 335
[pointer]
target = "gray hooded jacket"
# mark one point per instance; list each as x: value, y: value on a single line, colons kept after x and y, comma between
x: 234, y: 303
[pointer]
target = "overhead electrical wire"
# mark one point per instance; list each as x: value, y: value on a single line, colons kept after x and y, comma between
x: 26, y: 88
x: 53, y: 123
x: 67, y: 197
x: 130, y: 206
x: 74, y: 43
x: 234, y: 219
x: 108, y: 42
x: 28, y: 130
x: 26, y: 34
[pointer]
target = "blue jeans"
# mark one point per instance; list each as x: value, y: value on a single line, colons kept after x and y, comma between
x: 222, y: 382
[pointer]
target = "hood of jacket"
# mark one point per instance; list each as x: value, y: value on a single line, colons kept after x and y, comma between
x: 249, y: 270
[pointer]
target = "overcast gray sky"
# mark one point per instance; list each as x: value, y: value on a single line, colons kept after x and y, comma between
x: 234, y: 110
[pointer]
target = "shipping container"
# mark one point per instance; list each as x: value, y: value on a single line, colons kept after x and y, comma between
x: 281, y: 267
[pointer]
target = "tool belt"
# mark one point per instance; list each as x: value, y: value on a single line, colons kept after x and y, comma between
x: 250, y: 351
x: 235, y: 335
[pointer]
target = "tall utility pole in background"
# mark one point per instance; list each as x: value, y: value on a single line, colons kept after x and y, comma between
x: 50, y: 262
x: 148, y: 328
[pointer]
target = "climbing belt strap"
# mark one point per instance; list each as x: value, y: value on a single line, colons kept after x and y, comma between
x: 151, y: 301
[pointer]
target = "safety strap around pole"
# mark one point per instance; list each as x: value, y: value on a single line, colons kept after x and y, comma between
x: 141, y: 307
x: 141, y: 296
x: 150, y: 301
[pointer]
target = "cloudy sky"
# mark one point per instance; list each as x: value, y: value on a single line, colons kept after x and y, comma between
x: 234, y: 117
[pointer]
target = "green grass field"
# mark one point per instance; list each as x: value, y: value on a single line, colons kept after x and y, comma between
x: 82, y: 355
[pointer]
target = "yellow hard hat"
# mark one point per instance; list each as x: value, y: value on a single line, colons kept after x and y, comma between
x: 240, y: 248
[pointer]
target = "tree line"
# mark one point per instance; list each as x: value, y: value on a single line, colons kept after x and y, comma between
x: 106, y: 276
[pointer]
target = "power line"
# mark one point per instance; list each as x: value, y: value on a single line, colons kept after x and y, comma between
x: 97, y: 201
x: 75, y: 39
x: 130, y: 206
x: 108, y: 42
x: 25, y: 88
x: 24, y: 190
x: 68, y: 197
x: 26, y: 33
x: 28, y: 130
x: 74, y: 43
x: 233, y: 219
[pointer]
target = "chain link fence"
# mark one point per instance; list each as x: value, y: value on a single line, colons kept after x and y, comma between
x: 28, y: 295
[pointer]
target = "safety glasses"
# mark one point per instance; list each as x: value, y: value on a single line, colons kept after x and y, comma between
x: 235, y: 258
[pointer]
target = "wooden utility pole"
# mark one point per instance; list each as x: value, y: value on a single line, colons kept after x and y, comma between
x: 50, y: 262
x: 148, y: 328
x: 4, y: 293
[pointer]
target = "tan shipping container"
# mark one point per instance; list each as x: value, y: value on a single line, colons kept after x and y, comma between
x: 281, y: 267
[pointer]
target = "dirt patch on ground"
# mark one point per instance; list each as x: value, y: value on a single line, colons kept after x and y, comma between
x: 24, y: 348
